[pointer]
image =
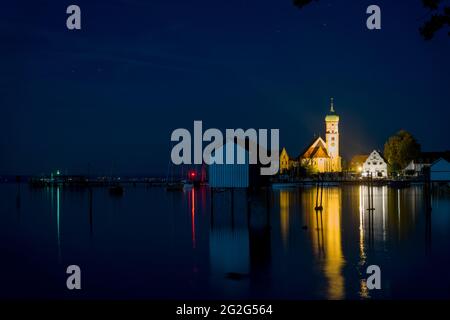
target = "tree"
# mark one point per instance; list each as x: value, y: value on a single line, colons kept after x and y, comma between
x: 440, y: 10
x: 301, y: 3
x: 440, y: 18
x: 400, y: 149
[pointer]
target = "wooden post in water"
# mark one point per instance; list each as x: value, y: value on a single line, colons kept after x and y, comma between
x: 268, y: 203
x: 232, y: 208
x: 319, y: 184
x: 90, y: 212
x: 370, y: 194
x: 427, y: 193
x: 317, y: 194
x: 249, y: 203
x: 321, y: 195
x: 18, y: 178
x: 427, y: 190
x: 212, y: 206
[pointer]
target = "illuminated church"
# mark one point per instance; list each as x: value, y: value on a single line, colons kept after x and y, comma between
x: 321, y: 155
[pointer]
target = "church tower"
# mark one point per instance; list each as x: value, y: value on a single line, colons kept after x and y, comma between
x: 332, y: 138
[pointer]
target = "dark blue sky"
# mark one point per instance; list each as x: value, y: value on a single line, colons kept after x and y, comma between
x: 112, y: 93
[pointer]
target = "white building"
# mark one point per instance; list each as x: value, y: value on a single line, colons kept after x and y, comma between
x: 425, y: 160
x: 375, y: 166
x: 440, y: 170
x: 415, y: 167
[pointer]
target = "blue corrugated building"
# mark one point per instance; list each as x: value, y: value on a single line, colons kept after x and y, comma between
x: 236, y: 175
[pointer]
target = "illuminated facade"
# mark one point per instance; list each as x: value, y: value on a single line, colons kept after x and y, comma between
x: 323, y: 155
x: 284, y: 161
x: 375, y: 166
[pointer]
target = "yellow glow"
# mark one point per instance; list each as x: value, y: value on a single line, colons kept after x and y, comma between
x: 326, y: 238
x: 284, y: 216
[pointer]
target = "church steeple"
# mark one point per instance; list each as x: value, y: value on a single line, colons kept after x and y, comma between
x: 332, y: 138
x: 332, y: 116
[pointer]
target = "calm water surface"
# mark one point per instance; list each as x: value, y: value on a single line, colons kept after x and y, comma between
x: 156, y: 244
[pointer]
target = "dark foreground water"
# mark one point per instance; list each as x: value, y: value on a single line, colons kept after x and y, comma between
x: 156, y: 244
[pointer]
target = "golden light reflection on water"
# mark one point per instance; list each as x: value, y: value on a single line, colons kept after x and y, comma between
x: 345, y: 217
x: 284, y: 216
x: 326, y: 238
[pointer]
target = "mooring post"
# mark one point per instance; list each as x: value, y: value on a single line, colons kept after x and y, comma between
x: 428, y: 190
x: 212, y: 206
x: 249, y: 203
x: 232, y: 208
x: 90, y: 212
x: 370, y: 192
x: 321, y: 194
x: 317, y: 194
x: 319, y: 184
x: 268, y: 203
x: 18, y: 178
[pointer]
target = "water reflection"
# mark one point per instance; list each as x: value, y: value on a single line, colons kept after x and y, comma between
x: 372, y: 227
x: 284, y: 216
x: 229, y: 245
x: 326, y: 238
x: 91, y: 222
x: 58, y: 221
x: 229, y: 249
x: 192, y: 205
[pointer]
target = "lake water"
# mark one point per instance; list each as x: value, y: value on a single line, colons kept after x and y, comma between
x: 151, y: 243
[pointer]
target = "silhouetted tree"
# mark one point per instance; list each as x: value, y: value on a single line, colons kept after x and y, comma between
x: 439, y: 19
x: 302, y: 3
x: 400, y: 149
x: 440, y: 10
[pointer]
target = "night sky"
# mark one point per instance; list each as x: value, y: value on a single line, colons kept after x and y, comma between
x: 112, y: 93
